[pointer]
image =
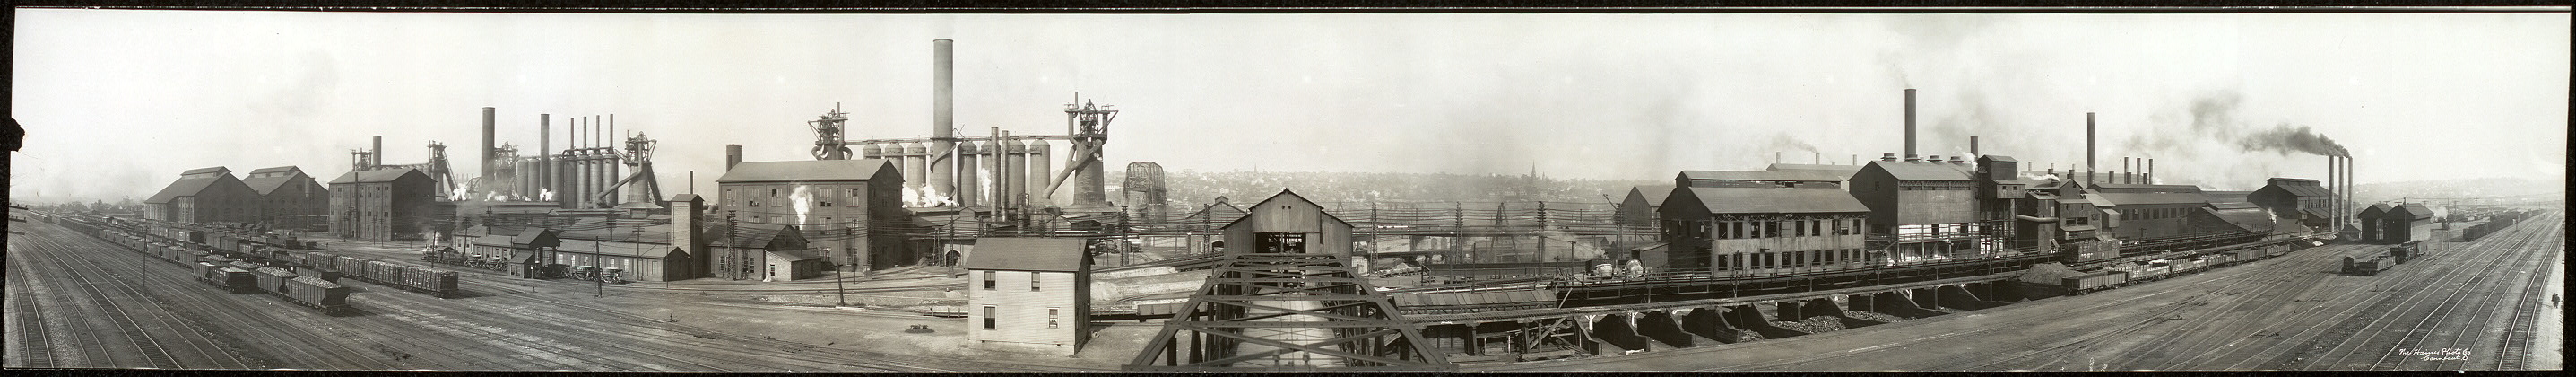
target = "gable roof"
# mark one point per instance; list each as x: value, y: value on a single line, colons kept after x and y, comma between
x: 184, y: 187
x: 816, y: 170
x: 1027, y: 254
x: 1922, y: 171
x: 2374, y: 210
x: 207, y: 171
x: 2297, y: 186
x: 751, y: 235
x: 1654, y: 194
x: 267, y: 181
x: 1845, y: 170
x: 2134, y: 198
x: 539, y: 237
x: 377, y: 175
x: 1774, y: 200
x: 1292, y: 195
x: 1222, y: 212
x: 2412, y: 210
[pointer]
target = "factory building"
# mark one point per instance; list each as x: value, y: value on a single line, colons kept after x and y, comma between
x: 1759, y: 223
x: 2295, y: 198
x: 1288, y: 223
x: 1642, y: 208
x: 1029, y: 294
x: 637, y: 249
x: 207, y: 195
x: 2399, y: 223
x: 849, y: 208
x: 1921, y: 208
x: 768, y: 252
x: 289, y: 199
x: 1843, y: 171
x: 1216, y: 213
x: 2147, y: 211
x: 382, y: 204
x: 2370, y: 228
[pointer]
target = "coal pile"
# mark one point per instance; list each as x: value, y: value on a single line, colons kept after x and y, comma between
x: 1873, y: 316
x: 1795, y: 326
x: 1823, y: 323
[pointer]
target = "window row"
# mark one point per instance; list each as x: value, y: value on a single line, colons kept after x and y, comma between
x: 2155, y: 213
x: 1785, y: 259
x: 1743, y: 229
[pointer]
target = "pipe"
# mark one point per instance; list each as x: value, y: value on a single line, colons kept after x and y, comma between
x: 1909, y: 123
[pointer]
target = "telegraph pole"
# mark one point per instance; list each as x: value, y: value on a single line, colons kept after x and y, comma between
x: 840, y: 292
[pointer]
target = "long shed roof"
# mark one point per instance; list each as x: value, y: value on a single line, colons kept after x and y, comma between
x: 1774, y: 200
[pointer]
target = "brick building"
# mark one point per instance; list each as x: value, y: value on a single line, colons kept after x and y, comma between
x: 382, y: 204
x: 205, y: 195
x: 289, y: 199
x: 841, y: 205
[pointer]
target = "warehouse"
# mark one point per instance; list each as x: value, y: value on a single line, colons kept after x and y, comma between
x: 1029, y: 294
x: 857, y: 202
x: 2149, y: 211
x: 2370, y: 217
x: 289, y: 199
x: 205, y: 195
x: 1642, y: 208
x: 1921, y: 208
x: 2294, y: 198
x: 382, y: 204
x: 2402, y: 223
x: 768, y: 252
x: 1733, y: 230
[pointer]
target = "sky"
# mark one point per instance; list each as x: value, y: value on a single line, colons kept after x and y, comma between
x: 116, y: 103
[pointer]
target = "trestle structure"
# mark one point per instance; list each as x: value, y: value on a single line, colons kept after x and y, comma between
x: 1288, y: 311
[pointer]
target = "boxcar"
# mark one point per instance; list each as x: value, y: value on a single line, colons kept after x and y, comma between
x: 317, y: 293
x: 2081, y: 284
x: 433, y: 281
x: 352, y: 265
x: 245, y: 265
x: 2371, y: 266
x: 329, y: 275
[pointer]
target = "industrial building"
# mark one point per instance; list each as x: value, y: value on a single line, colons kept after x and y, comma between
x: 2397, y: 223
x: 1923, y: 208
x: 767, y: 252
x: 1029, y: 294
x: 853, y: 208
x: 382, y: 204
x: 1642, y: 208
x: 289, y: 199
x: 2295, y: 198
x: 1730, y: 222
x: 207, y: 195
x: 2147, y: 211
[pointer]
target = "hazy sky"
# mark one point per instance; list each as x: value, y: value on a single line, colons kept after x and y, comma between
x: 117, y: 102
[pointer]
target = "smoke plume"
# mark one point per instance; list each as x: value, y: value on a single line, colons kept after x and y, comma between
x: 2287, y: 137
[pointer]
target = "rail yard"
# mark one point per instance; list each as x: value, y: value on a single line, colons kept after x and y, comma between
x: 926, y: 248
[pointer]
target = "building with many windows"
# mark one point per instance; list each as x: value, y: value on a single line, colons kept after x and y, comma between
x: 852, y: 207
x: 1028, y: 294
x: 382, y: 204
x: 1752, y: 228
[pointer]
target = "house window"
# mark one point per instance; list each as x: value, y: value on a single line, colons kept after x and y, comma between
x: 1051, y: 313
x: 988, y: 280
x: 989, y: 312
x: 1033, y: 282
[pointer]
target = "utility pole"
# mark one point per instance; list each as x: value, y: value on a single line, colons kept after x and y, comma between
x: 840, y: 292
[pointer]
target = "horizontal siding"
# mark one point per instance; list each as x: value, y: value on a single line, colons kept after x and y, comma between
x: 1021, y: 314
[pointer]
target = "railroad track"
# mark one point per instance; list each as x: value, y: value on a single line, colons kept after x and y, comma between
x: 2059, y: 355
x: 2489, y: 303
x: 2512, y: 349
x: 2312, y: 327
x: 145, y: 346
x: 180, y: 292
x: 35, y: 347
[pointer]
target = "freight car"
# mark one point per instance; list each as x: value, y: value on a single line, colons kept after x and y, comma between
x: 315, y: 292
x: 2087, y: 283
x: 232, y: 280
x: 427, y: 280
x: 2369, y: 266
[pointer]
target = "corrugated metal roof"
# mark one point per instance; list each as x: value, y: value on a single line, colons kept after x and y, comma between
x: 183, y: 187
x: 816, y: 170
x: 1775, y: 200
x: 1027, y: 254
x: 1654, y: 194
x: 2123, y: 198
x: 1924, y: 171
x: 377, y: 175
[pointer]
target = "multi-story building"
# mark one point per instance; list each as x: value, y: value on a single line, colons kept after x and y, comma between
x: 850, y: 210
x: 1028, y: 294
x: 205, y: 195
x: 1921, y: 208
x: 289, y: 199
x: 382, y: 204
x: 1760, y: 222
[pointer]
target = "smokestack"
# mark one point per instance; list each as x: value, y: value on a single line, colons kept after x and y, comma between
x: 733, y: 155
x: 1820, y: 158
x: 2125, y: 168
x: 2089, y: 166
x: 613, y: 136
x: 1775, y: 157
x: 943, y: 133
x: 376, y: 153
x: 1972, y: 147
x: 1909, y: 123
x: 2151, y: 171
x: 486, y: 152
x: 545, y: 153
